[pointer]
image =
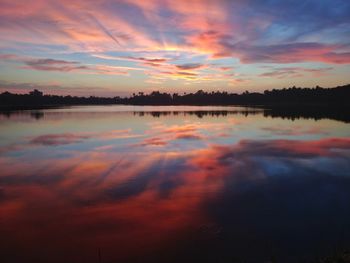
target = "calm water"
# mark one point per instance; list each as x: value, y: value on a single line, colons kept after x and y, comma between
x: 171, y: 184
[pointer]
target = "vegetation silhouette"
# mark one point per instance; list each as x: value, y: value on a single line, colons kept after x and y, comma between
x: 283, y: 97
x: 291, y: 103
x: 290, y: 96
x: 199, y: 113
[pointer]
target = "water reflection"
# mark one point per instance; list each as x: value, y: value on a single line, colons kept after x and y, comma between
x: 176, y: 189
x: 290, y: 113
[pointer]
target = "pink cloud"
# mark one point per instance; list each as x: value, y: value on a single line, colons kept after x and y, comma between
x: 48, y: 64
x: 167, y: 40
x: 289, y: 72
x: 54, y: 65
x: 287, y: 53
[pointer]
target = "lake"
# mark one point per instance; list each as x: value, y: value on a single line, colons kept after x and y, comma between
x: 172, y: 184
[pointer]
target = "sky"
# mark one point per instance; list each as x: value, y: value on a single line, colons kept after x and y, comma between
x: 120, y: 47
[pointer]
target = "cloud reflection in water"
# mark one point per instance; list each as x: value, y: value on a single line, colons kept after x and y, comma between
x: 161, y: 196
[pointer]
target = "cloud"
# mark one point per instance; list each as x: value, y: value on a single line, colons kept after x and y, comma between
x: 285, y: 53
x: 151, y: 60
x: 290, y: 72
x: 54, y: 65
x: 57, y: 89
x: 167, y: 39
x: 189, y: 136
x: 215, y: 28
x: 190, y: 66
x: 160, y: 68
x: 226, y: 68
x: 49, y: 64
x: 8, y: 57
x: 153, y: 141
x: 104, y: 29
x: 131, y: 58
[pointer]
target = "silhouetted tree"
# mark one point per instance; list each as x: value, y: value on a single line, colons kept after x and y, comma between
x: 286, y: 97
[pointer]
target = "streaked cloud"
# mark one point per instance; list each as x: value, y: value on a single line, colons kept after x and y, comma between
x: 49, y: 64
x: 184, y: 42
x: 190, y: 66
x: 54, y: 65
x: 295, y: 72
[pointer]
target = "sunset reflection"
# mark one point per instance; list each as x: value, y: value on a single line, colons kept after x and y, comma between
x: 165, y: 189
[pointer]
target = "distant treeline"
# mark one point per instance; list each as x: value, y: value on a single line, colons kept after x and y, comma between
x: 291, y: 113
x: 338, y: 96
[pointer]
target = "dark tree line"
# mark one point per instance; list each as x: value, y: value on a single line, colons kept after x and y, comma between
x: 318, y: 95
x: 276, y: 97
x: 37, y: 99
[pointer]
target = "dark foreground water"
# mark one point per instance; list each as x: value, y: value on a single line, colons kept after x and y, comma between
x: 171, y: 184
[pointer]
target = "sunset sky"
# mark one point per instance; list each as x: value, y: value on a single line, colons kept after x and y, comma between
x: 119, y: 47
